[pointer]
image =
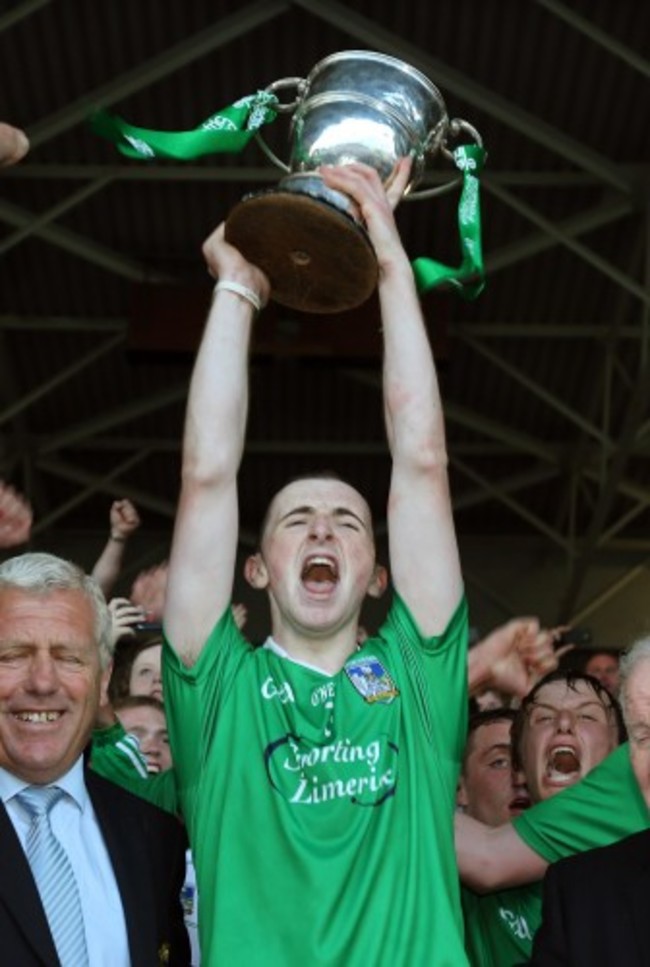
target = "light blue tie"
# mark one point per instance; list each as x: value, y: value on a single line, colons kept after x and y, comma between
x: 54, y: 876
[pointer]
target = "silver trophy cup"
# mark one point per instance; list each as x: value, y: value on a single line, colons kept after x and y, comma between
x: 355, y: 106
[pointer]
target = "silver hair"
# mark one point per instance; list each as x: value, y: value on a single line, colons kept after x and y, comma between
x: 640, y: 651
x: 40, y: 573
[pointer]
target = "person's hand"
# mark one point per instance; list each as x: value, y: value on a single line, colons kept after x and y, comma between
x: 14, y: 144
x: 15, y: 517
x: 226, y: 262
x: 148, y: 591
x: 124, y: 519
x: 395, y: 184
x: 539, y: 653
x: 375, y: 201
x: 517, y: 654
x: 124, y: 615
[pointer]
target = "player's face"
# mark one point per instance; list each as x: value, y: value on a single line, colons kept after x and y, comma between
x: 150, y: 727
x: 568, y: 731
x: 637, y: 719
x: 490, y: 789
x: 318, y: 555
x: 605, y: 669
x: 50, y: 681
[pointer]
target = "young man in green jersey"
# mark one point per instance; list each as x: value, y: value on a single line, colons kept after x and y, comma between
x: 594, y: 904
x: 565, y: 726
x: 602, y: 808
x: 317, y: 777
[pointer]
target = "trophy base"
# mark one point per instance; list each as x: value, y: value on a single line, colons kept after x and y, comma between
x: 317, y: 257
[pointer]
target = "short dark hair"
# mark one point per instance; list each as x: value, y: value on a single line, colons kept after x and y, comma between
x: 571, y: 677
x: 138, y: 701
x: 485, y: 717
x: 320, y: 474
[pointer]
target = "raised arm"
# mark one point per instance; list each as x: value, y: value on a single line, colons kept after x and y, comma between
x: 423, y: 553
x: 123, y: 520
x: 204, y: 545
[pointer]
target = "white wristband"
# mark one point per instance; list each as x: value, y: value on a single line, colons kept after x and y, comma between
x: 241, y: 290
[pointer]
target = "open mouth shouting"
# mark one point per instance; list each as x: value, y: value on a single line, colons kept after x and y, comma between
x: 563, y: 765
x: 320, y: 573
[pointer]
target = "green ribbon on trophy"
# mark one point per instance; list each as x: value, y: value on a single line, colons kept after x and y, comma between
x: 229, y: 131
x: 468, y: 278
x: 226, y: 132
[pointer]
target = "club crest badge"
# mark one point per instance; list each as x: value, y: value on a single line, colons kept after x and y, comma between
x: 371, y: 680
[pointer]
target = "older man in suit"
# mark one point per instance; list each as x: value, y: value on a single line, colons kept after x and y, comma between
x: 90, y: 874
x: 595, y: 908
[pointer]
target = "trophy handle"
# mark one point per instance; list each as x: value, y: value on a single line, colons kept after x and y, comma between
x: 456, y: 127
x: 286, y: 82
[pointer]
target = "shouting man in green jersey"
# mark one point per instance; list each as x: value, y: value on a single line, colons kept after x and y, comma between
x: 595, y: 907
x: 565, y: 727
x: 316, y: 775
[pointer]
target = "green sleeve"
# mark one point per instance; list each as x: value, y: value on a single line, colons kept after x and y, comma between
x: 437, y: 667
x: 116, y: 755
x: 605, y: 806
x: 195, y: 694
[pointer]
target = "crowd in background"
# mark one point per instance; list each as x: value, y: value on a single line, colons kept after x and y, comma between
x: 522, y: 748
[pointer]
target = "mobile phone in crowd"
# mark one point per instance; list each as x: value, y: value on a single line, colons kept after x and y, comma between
x: 147, y: 626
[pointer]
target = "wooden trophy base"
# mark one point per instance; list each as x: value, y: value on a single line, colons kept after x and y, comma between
x: 317, y: 259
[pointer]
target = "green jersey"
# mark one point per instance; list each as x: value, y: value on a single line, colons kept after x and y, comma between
x: 499, y: 927
x: 602, y: 808
x: 320, y: 807
x: 115, y: 754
